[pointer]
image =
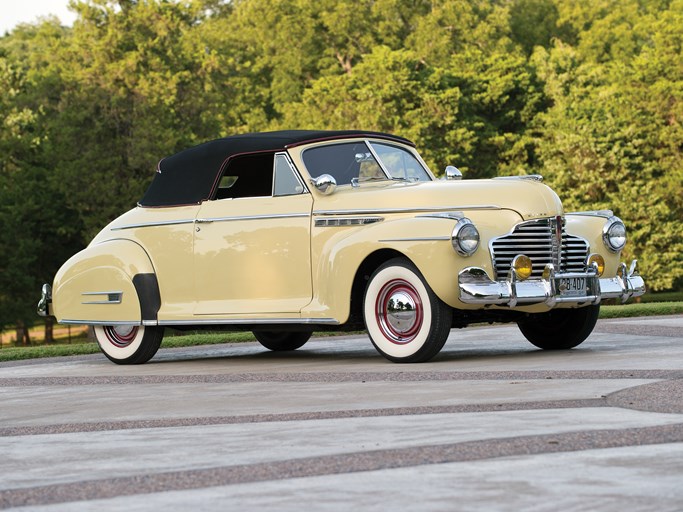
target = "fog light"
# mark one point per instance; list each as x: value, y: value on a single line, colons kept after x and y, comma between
x: 595, y: 260
x: 522, y: 266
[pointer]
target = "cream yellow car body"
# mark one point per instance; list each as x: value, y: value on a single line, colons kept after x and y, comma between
x: 303, y: 259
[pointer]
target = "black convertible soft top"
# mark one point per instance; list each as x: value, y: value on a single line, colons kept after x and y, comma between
x: 188, y: 177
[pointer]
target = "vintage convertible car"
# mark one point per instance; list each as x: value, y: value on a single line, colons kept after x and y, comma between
x: 285, y: 232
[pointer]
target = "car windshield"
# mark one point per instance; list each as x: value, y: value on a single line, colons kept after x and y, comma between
x: 355, y: 162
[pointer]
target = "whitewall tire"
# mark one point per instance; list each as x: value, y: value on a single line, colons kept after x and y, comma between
x: 406, y: 321
x: 560, y: 329
x: 129, y: 344
x: 282, y: 341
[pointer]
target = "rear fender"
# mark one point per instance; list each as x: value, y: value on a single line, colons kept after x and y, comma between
x: 108, y: 283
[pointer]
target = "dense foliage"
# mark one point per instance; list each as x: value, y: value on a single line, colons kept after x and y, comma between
x: 589, y: 94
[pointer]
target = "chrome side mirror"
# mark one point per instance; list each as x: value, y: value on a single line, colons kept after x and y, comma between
x: 325, y: 183
x: 453, y: 173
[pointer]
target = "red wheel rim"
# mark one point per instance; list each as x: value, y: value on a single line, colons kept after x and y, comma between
x: 399, y: 311
x: 121, y: 336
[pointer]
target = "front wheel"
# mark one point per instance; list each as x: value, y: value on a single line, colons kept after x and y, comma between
x: 129, y: 344
x: 560, y: 329
x: 282, y: 341
x: 406, y: 321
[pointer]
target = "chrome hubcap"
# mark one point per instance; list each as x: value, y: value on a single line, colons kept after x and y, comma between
x: 399, y: 311
x: 121, y: 335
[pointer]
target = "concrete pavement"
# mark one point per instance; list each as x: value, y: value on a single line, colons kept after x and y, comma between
x: 491, y: 424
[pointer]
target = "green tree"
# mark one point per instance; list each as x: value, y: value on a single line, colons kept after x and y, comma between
x: 36, y: 230
x: 534, y: 23
x: 472, y: 113
x: 613, y: 137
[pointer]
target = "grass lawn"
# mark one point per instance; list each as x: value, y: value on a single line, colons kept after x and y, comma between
x: 642, y: 309
x: 79, y: 347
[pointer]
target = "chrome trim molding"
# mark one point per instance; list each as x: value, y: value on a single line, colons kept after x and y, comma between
x: 594, y: 213
x: 153, y: 224
x: 250, y: 321
x: 529, y: 177
x: 254, y: 217
x: 346, y: 221
x: 99, y: 322
x: 236, y: 321
x: 112, y: 297
x: 425, y: 209
x: 418, y: 239
x: 206, y: 221
x: 444, y: 215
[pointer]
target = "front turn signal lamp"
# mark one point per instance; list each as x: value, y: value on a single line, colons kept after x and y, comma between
x: 522, y: 266
x: 596, y: 261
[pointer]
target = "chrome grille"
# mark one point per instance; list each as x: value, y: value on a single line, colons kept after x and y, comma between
x: 538, y: 241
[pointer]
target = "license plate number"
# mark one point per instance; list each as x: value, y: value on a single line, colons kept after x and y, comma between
x: 571, y: 286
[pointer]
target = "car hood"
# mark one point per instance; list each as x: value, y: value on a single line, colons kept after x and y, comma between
x: 530, y: 199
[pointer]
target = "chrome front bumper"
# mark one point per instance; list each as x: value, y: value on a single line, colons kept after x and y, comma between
x: 477, y: 288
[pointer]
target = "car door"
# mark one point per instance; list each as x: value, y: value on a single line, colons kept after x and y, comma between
x: 252, y: 243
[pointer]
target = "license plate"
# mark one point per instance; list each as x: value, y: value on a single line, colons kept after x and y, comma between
x: 571, y: 286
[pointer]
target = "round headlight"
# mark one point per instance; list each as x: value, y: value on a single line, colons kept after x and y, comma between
x: 614, y: 234
x: 465, y: 237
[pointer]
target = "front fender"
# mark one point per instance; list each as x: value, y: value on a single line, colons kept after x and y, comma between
x: 425, y: 240
x: 589, y: 226
x: 106, y: 283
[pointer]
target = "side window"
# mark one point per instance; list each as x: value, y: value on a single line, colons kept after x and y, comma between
x: 400, y: 163
x: 344, y: 162
x: 285, y: 182
x: 247, y: 176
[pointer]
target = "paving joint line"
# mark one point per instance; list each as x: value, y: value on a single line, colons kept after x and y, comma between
x: 378, y: 460
x: 69, y: 428
x: 336, y: 377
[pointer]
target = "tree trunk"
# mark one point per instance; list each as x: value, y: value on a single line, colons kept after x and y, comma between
x: 49, y: 330
x: 23, y: 337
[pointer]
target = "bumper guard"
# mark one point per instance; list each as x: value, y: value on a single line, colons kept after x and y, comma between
x: 45, y: 302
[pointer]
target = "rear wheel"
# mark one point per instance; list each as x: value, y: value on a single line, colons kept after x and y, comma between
x: 560, y: 329
x: 406, y: 321
x: 282, y: 341
x: 129, y: 344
